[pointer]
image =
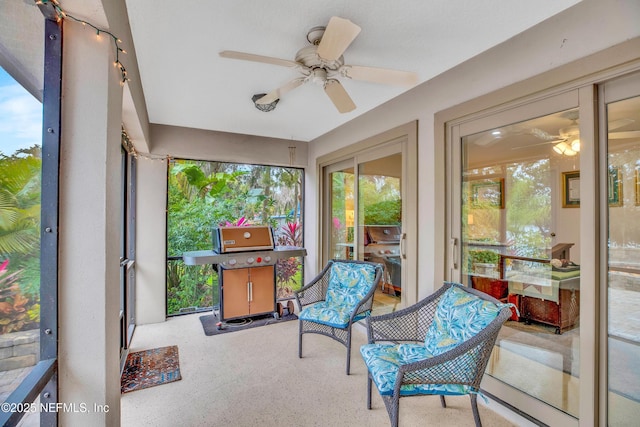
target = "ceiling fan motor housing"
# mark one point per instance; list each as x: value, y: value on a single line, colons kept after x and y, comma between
x: 309, y: 57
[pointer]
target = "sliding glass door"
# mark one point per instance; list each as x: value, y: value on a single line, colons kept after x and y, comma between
x: 515, y: 229
x: 545, y: 214
x: 364, y: 197
x: 381, y: 237
x: 341, y: 205
x: 622, y: 126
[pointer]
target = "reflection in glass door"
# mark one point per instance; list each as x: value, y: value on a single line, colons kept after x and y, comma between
x: 623, y: 258
x: 380, y: 224
x: 364, y: 216
x: 520, y: 240
x: 341, y: 192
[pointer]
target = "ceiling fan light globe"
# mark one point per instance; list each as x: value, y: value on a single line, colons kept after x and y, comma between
x: 575, y: 145
x: 560, y: 147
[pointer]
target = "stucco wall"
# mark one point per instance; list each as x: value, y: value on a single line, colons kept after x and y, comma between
x: 89, y: 243
x: 151, y: 241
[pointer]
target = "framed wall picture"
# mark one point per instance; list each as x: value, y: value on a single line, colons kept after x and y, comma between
x: 614, y: 187
x: 571, y: 189
x: 487, y: 193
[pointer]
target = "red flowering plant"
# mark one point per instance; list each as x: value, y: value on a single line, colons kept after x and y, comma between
x: 17, y: 313
x: 290, y: 234
x: 240, y: 222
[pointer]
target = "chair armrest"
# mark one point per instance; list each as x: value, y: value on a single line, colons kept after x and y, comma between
x: 314, y: 291
x: 408, y: 324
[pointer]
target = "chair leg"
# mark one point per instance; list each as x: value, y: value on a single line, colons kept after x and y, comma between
x: 395, y: 415
x: 368, y: 391
x: 442, y: 401
x: 348, y: 349
x: 474, y: 408
x: 300, y: 339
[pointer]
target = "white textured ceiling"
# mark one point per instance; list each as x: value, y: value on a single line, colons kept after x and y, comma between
x: 186, y: 83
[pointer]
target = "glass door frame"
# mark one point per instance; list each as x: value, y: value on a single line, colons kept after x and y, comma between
x: 406, y: 137
x: 618, y: 89
x: 584, y: 99
x: 128, y: 248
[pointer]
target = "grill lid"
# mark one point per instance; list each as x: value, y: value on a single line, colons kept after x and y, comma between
x: 384, y: 233
x: 241, y: 239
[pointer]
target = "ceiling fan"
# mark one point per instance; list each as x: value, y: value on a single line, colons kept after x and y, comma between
x: 322, y: 61
x: 565, y: 142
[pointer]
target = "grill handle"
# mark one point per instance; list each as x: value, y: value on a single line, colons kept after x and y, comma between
x: 249, y: 291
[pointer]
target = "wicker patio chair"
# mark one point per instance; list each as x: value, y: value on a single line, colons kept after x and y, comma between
x: 340, y: 295
x: 439, y: 346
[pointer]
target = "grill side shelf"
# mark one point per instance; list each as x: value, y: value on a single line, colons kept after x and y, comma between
x: 212, y: 257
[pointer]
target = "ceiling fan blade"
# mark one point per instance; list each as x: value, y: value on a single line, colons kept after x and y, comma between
x: 624, y: 135
x: 258, y: 58
x: 337, y: 37
x: 619, y: 123
x: 277, y: 94
x: 339, y: 96
x: 537, y: 144
x: 542, y: 134
x: 380, y: 75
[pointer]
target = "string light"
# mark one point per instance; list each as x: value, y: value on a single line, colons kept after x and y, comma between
x: 61, y: 15
x: 131, y: 149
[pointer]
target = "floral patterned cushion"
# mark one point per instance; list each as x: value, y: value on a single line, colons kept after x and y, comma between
x: 459, y: 316
x: 349, y: 283
x: 332, y: 315
x: 383, y: 361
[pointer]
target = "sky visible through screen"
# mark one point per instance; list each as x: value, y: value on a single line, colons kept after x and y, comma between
x: 20, y: 116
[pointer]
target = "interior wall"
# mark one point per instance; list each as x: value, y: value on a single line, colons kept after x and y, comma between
x: 580, y: 31
x: 566, y: 221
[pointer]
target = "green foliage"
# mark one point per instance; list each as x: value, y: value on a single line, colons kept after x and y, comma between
x: 20, y: 188
x: 203, y: 195
x: 387, y: 212
x: 481, y: 257
x: 20, y: 203
x: 525, y: 223
x: 484, y: 256
x: 190, y: 286
x: 289, y: 271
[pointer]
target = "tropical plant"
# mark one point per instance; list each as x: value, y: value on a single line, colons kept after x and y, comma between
x: 20, y: 188
x: 19, y: 202
x: 240, y: 222
x: 18, y: 312
x: 202, y: 195
x: 287, y: 270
